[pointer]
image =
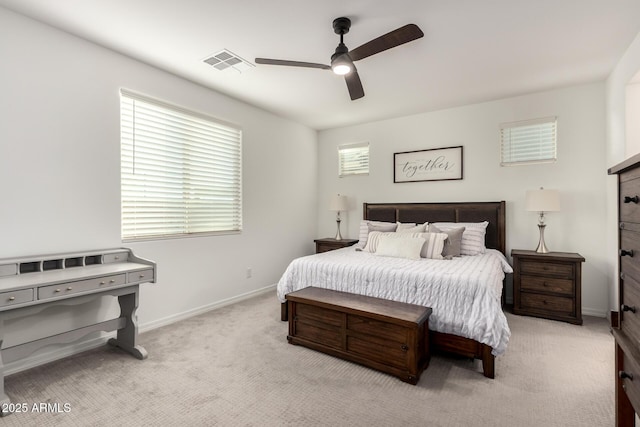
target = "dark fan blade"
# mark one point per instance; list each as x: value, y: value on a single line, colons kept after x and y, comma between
x: 395, y: 38
x: 291, y: 63
x: 356, y: 91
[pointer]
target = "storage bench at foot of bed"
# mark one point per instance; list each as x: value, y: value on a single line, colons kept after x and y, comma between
x: 389, y: 336
x: 441, y: 342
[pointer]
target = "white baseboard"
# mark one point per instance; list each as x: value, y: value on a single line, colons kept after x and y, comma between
x: 91, y: 343
x: 594, y: 312
x: 205, y: 308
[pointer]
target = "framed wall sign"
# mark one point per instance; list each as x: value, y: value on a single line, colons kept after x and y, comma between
x: 437, y: 164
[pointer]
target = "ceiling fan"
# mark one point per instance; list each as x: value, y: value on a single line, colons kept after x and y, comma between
x: 342, y: 60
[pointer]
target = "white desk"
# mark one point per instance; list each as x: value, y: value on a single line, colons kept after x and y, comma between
x: 31, y: 284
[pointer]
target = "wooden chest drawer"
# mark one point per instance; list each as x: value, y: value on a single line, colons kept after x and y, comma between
x: 547, y: 303
x: 631, y: 379
x: 16, y: 297
x: 318, y: 325
x: 630, y: 320
x: 385, y: 330
x: 630, y: 262
x: 309, y: 312
x: 547, y: 284
x: 547, y: 269
x: 379, y: 350
x: 315, y: 331
x: 54, y: 291
x: 630, y: 200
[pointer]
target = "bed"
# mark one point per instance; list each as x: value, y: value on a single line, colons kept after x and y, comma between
x: 465, y: 293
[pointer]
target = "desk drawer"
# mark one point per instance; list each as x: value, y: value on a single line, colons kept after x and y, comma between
x: 62, y: 289
x: 547, y: 269
x: 115, y: 257
x: 140, y: 276
x: 16, y: 297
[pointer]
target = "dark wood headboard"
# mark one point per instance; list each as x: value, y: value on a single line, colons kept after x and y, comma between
x: 493, y: 212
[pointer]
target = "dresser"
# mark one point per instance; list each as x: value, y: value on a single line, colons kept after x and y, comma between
x: 330, y: 244
x: 548, y: 285
x: 626, y: 330
x: 31, y: 285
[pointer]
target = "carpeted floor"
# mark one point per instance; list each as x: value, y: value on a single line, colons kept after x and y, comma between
x: 233, y: 367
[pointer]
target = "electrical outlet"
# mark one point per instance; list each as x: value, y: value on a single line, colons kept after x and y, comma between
x: 249, y: 273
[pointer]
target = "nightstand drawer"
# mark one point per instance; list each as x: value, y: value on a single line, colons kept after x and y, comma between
x: 547, y: 284
x: 546, y: 303
x: 548, y: 269
x: 328, y: 244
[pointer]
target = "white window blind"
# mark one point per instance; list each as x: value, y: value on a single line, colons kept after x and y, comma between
x: 180, y: 171
x: 353, y: 159
x: 530, y: 141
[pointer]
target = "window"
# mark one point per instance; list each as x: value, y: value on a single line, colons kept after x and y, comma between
x: 180, y: 171
x: 353, y: 159
x: 530, y: 141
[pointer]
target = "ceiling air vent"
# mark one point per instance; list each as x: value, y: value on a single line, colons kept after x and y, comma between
x: 226, y: 60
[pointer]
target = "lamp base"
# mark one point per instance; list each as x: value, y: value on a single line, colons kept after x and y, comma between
x: 338, y: 235
x: 542, y: 248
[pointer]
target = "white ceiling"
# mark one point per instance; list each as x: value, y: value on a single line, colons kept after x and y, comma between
x: 473, y: 51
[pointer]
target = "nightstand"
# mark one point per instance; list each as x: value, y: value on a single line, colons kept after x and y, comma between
x: 329, y: 244
x: 548, y: 285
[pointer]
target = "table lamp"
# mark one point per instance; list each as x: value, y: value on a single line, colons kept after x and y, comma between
x: 542, y: 201
x: 338, y: 203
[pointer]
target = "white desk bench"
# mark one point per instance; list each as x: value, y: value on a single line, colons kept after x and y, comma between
x: 30, y: 285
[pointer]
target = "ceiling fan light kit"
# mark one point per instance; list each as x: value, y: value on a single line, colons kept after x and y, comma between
x: 342, y: 60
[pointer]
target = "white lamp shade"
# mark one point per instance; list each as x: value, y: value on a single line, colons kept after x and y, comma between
x: 338, y: 203
x: 542, y: 200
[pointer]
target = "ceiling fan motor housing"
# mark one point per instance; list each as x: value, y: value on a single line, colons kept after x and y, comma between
x: 341, y: 25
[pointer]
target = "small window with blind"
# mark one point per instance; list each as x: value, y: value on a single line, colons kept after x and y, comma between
x: 530, y: 141
x: 180, y: 171
x: 353, y: 159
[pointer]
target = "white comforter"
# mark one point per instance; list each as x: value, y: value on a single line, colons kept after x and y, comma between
x: 464, y: 293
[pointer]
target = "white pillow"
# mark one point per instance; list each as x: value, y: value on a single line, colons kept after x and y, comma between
x: 364, y: 230
x: 472, y: 236
x: 402, y: 247
x: 373, y: 240
x: 432, y: 248
x: 411, y: 228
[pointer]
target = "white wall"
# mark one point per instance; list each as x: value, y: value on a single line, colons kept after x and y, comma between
x: 579, y: 173
x: 60, y: 173
x: 620, y: 144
